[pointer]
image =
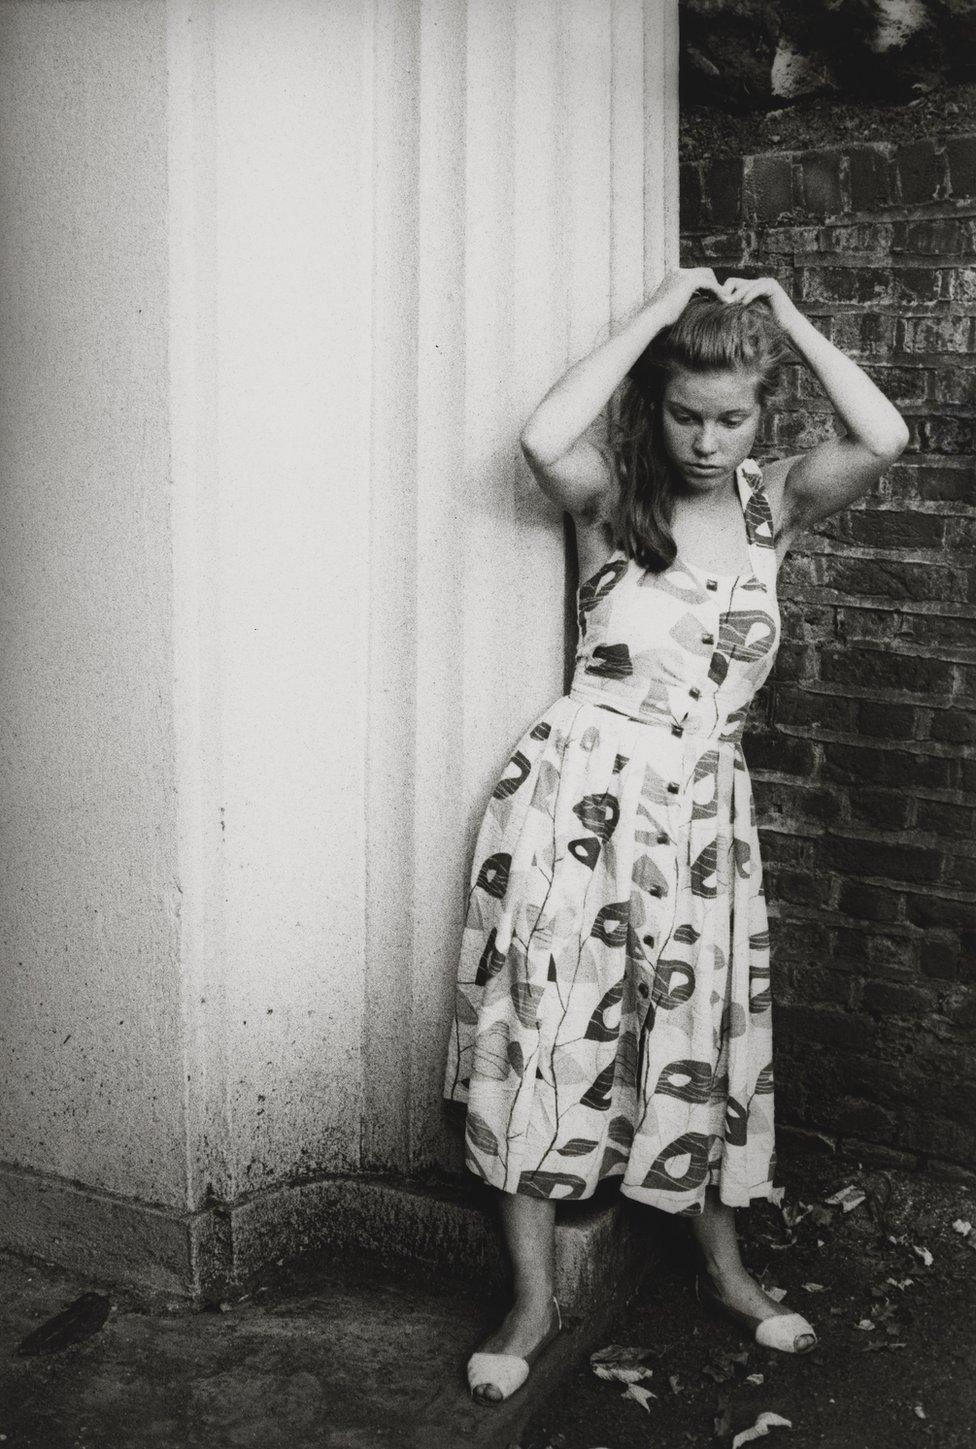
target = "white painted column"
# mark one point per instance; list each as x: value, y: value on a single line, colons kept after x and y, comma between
x: 371, y: 234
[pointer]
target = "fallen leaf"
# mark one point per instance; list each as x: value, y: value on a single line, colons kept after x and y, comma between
x: 847, y: 1197
x: 643, y: 1396
x: 815, y: 1287
x: 767, y: 1420
x: 85, y: 1316
x: 899, y: 1282
x: 675, y: 1383
x: 723, y: 1419
x: 777, y: 1294
x: 755, y: 1378
x: 924, y: 1254
x: 621, y: 1364
x: 865, y: 1323
x: 920, y: 1412
x: 962, y: 1226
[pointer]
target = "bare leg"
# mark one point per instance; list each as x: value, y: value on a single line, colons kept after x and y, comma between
x: 715, y: 1234
x: 529, y: 1227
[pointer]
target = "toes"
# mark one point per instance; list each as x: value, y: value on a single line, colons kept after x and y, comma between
x: 804, y: 1341
x: 488, y: 1393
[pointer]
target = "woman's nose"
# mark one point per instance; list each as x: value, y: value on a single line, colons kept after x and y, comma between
x: 705, y: 444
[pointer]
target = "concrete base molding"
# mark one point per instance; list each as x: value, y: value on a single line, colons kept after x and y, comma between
x: 200, y: 1256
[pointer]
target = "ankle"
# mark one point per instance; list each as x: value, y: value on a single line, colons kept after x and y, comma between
x: 722, y: 1267
x: 531, y: 1297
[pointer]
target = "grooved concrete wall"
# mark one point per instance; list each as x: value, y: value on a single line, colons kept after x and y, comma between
x: 863, y: 760
x: 281, y: 283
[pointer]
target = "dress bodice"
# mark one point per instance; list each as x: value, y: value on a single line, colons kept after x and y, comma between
x: 688, y: 647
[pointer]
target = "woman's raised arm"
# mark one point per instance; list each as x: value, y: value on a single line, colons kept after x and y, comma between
x: 831, y: 475
x: 568, y: 467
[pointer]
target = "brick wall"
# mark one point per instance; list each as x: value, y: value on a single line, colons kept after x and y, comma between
x: 863, y: 757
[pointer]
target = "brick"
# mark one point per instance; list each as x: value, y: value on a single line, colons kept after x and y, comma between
x: 954, y: 726
x: 768, y: 190
x: 918, y: 865
x: 879, y: 809
x: 843, y: 284
x: 904, y: 386
x: 722, y: 190
x: 817, y: 711
x: 961, y: 156
x: 820, y: 983
x: 914, y: 286
x: 825, y: 1026
x: 888, y: 578
x: 807, y: 620
x: 964, y: 1014
x: 872, y: 669
x: 949, y: 435
x: 897, y: 998
x: 786, y: 801
x: 820, y: 181
x: 783, y: 753
x: 935, y: 334
x: 934, y: 483
x: 896, y: 529
x: 959, y: 873
x: 690, y: 199
x: 869, y: 178
x: 798, y: 887
x: 869, y: 334
x: 930, y: 910
x: 887, y: 721
x: 868, y: 902
x: 849, y: 763
x: 890, y: 954
x: 921, y: 173
x: 963, y: 286
x: 940, y: 817
x: 800, y: 431
x: 725, y: 249
x: 930, y: 237
x: 873, y: 237
x: 864, y: 1118
x: 951, y: 383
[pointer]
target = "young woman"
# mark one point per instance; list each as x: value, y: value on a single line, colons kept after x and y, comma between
x: 613, y: 1004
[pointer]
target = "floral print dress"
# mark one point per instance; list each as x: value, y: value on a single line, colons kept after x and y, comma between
x: 613, y: 1013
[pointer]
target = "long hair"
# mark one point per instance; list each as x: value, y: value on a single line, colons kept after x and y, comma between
x: 709, y: 336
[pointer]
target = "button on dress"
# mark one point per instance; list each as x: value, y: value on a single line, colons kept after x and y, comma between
x: 613, y: 1013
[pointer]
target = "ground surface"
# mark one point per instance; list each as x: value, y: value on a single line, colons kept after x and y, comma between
x: 353, y: 1353
x: 823, y: 121
x: 858, y: 1389
x: 349, y: 1354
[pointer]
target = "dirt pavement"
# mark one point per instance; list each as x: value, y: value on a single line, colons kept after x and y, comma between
x: 907, y: 1379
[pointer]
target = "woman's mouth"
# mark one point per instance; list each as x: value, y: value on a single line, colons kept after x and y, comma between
x: 705, y: 467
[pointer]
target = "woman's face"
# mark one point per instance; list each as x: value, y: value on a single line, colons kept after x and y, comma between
x: 709, y: 421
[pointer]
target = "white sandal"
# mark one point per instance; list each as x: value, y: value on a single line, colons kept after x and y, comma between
x: 506, y: 1372
x: 779, y: 1330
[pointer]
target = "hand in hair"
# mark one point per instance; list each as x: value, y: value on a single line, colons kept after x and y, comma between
x: 678, y: 287
x: 745, y: 290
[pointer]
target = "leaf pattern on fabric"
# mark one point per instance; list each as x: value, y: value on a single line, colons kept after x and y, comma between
x: 613, y: 1005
